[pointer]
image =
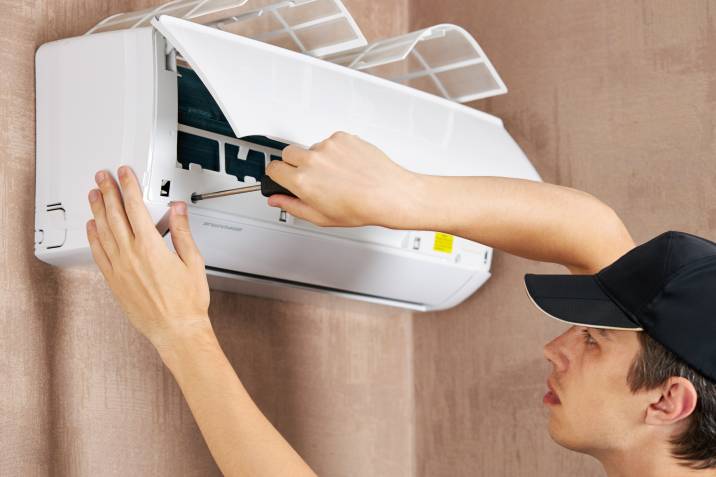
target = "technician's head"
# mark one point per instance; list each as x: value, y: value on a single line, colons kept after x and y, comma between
x: 637, y: 371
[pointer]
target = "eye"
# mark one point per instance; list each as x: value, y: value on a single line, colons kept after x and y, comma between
x: 588, y: 338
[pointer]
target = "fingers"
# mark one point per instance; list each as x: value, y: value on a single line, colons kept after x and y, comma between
x: 139, y: 218
x: 181, y: 237
x: 294, y: 155
x: 284, y: 174
x: 298, y: 208
x: 116, y: 217
x: 98, y: 253
x: 104, y: 233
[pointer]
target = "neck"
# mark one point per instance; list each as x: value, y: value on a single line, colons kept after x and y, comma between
x: 656, y: 462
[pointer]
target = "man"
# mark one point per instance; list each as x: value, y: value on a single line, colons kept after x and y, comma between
x: 633, y: 380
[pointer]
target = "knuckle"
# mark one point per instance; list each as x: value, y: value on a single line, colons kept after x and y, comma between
x: 329, y: 145
x: 310, y: 157
x: 115, y: 217
x: 299, y: 181
x: 130, y: 205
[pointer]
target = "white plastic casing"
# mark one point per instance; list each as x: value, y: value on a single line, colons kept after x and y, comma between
x: 111, y: 98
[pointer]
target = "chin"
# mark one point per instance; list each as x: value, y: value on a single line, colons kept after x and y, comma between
x: 563, y: 437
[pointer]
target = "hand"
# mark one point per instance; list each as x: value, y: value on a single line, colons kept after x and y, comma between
x: 163, y: 293
x: 343, y: 181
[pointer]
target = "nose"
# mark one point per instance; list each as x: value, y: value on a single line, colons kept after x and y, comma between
x: 556, y: 351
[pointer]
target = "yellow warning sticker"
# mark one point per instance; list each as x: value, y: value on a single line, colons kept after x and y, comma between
x: 443, y: 242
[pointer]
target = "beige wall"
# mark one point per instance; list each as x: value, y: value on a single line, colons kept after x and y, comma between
x: 81, y: 393
x: 613, y: 97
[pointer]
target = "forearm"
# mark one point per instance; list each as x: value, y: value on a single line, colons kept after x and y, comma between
x: 535, y: 220
x: 166, y: 296
x: 345, y: 181
x: 242, y: 441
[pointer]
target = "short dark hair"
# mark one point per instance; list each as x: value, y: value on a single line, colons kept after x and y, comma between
x: 696, y: 446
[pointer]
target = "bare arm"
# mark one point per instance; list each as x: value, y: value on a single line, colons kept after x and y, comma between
x: 344, y: 181
x: 241, y: 439
x: 166, y: 297
x: 535, y: 220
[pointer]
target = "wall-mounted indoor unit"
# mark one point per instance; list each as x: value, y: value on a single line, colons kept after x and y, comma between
x: 198, y: 96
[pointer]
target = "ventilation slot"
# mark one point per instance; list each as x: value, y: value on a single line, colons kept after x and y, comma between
x: 253, y: 166
x: 166, y: 186
x: 199, y: 150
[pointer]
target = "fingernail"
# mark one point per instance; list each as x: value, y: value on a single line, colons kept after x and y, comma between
x: 179, y: 208
x: 122, y: 171
x: 100, y: 176
x: 93, y: 195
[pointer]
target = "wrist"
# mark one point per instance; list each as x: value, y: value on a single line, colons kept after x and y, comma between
x: 184, y: 339
x: 412, y: 196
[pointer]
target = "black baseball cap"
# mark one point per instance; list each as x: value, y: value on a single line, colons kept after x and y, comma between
x: 665, y: 287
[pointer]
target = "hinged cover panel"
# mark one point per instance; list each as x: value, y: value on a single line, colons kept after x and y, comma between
x: 313, y: 27
x: 443, y: 59
x: 270, y: 91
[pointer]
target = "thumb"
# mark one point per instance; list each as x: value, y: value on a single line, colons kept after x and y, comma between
x: 181, y: 236
x: 300, y: 209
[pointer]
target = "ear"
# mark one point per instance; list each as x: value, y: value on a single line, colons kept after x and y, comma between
x: 676, y: 402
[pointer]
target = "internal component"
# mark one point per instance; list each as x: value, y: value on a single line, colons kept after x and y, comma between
x: 205, y: 136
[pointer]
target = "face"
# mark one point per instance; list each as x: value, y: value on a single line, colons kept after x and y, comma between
x: 592, y: 409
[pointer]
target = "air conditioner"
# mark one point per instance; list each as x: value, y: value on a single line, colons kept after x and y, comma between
x: 198, y: 95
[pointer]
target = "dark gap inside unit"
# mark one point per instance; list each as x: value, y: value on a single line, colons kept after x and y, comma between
x: 266, y: 142
x: 197, y: 150
x: 166, y: 186
x: 198, y: 109
x: 253, y: 166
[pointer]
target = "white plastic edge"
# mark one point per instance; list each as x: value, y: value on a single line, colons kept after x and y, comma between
x: 201, y: 8
x: 357, y: 60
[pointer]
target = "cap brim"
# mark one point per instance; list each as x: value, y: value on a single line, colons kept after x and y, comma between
x: 577, y: 300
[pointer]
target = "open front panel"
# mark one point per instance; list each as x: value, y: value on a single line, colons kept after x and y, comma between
x: 243, y: 100
x: 264, y: 90
x: 444, y: 60
x: 210, y: 157
x: 314, y: 27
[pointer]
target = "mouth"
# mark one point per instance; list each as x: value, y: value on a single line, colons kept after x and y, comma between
x: 551, y: 398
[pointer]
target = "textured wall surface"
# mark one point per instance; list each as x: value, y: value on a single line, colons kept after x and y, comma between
x: 81, y: 393
x: 613, y: 97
